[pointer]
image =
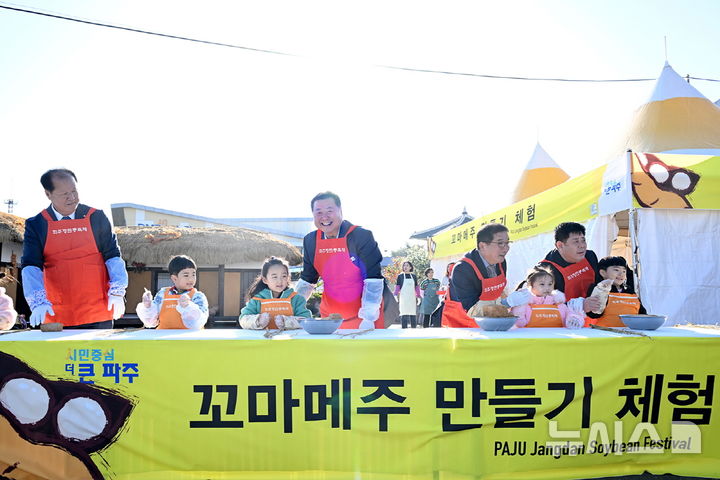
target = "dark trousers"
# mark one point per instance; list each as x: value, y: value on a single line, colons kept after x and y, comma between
x: 404, y: 319
x: 436, y: 317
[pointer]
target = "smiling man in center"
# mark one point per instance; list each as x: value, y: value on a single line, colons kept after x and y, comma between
x: 348, y: 259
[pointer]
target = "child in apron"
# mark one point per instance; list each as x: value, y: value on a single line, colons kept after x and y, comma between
x: 547, y: 306
x: 622, y: 298
x: 407, y: 291
x: 271, y: 303
x: 181, y: 306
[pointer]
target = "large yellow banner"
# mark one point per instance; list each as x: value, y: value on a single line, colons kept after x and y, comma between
x: 437, y: 408
x: 575, y: 200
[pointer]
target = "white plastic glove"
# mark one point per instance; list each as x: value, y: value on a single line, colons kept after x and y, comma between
x: 370, y: 302
x: 147, y: 298
x: 117, y: 305
x: 601, y: 292
x: 184, y: 300
x: 366, y: 325
x: 191, y: 314
x: 38, y: 314
x: 576, y: 305
x: 574, y: 321
x: 148, y: 315
x: 255, y: 322
x: 304, y: 288
x: 263, y: 320
x: 147, y: 310
x: 518, y: 297
x: 558, y: 297
x: 591, y: 303
x: 288, y: 322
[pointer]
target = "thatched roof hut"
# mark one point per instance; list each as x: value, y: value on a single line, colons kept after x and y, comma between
x: 207, y: 246
x: 12, y: 228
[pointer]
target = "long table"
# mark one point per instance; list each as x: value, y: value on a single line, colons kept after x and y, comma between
x: 388, y: 404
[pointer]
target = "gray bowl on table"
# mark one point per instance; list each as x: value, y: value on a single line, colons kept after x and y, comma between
x: 643, y: 322
x: 495, y: 324
x: 316, y: 326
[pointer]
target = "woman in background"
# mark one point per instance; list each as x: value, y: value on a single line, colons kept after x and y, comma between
x: 407, y: 292
x: 430, y: 299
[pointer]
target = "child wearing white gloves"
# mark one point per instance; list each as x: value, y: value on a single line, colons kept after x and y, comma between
x: 546, y: 307
x: 271, y: 303
x: 619, y: 297
x: 181, y: 306
x: 8, y: 315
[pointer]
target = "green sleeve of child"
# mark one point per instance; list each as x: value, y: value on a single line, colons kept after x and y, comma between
x: 251, y: 308
x: 299, y: 307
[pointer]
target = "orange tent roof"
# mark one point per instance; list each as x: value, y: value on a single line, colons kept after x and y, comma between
x: 541, y: 173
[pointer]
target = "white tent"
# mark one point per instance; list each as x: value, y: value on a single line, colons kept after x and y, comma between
x: 676, y: 119
x: 676, y: 251
x: 664, y: 206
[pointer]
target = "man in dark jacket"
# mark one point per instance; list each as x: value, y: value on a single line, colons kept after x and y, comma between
x: 480, y: 275
x: 574, y: 267
x: 72, y: 269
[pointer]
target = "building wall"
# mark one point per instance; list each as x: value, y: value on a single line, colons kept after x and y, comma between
x: 10, y: 287
x: 233, y: 300
x: 235, y: 285
x: 7, y: 249
x: 132, y: 216
x: 299, y: 226
x: 137, y: 283
x: 208, y: 284
x: 136, y: 216
x: 10, y: 254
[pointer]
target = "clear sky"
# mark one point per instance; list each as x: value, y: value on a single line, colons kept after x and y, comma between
x: 225, y: 132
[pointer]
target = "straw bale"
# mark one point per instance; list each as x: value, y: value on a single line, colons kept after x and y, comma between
x: 12, y: 228
x: 207, y: 246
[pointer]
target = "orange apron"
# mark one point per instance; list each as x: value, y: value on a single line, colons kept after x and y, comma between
x: 618, y: 303
x: 170, y: 318
x: 342, y: 280
x: 276, y: 306
x: 578, y: 277
x: 547, y: 316
x: 76, y: 278
x: 454, y: 315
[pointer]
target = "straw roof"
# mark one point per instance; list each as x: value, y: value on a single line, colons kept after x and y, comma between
x: 12, y: 228
x: 207, y: 246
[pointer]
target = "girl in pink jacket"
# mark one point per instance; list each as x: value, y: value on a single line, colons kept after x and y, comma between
x: 547, y: 306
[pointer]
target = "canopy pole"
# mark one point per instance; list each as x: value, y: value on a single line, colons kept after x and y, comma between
x: 632, y: 228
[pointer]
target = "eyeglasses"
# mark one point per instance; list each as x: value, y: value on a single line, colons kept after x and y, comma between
x: 503, y: 244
